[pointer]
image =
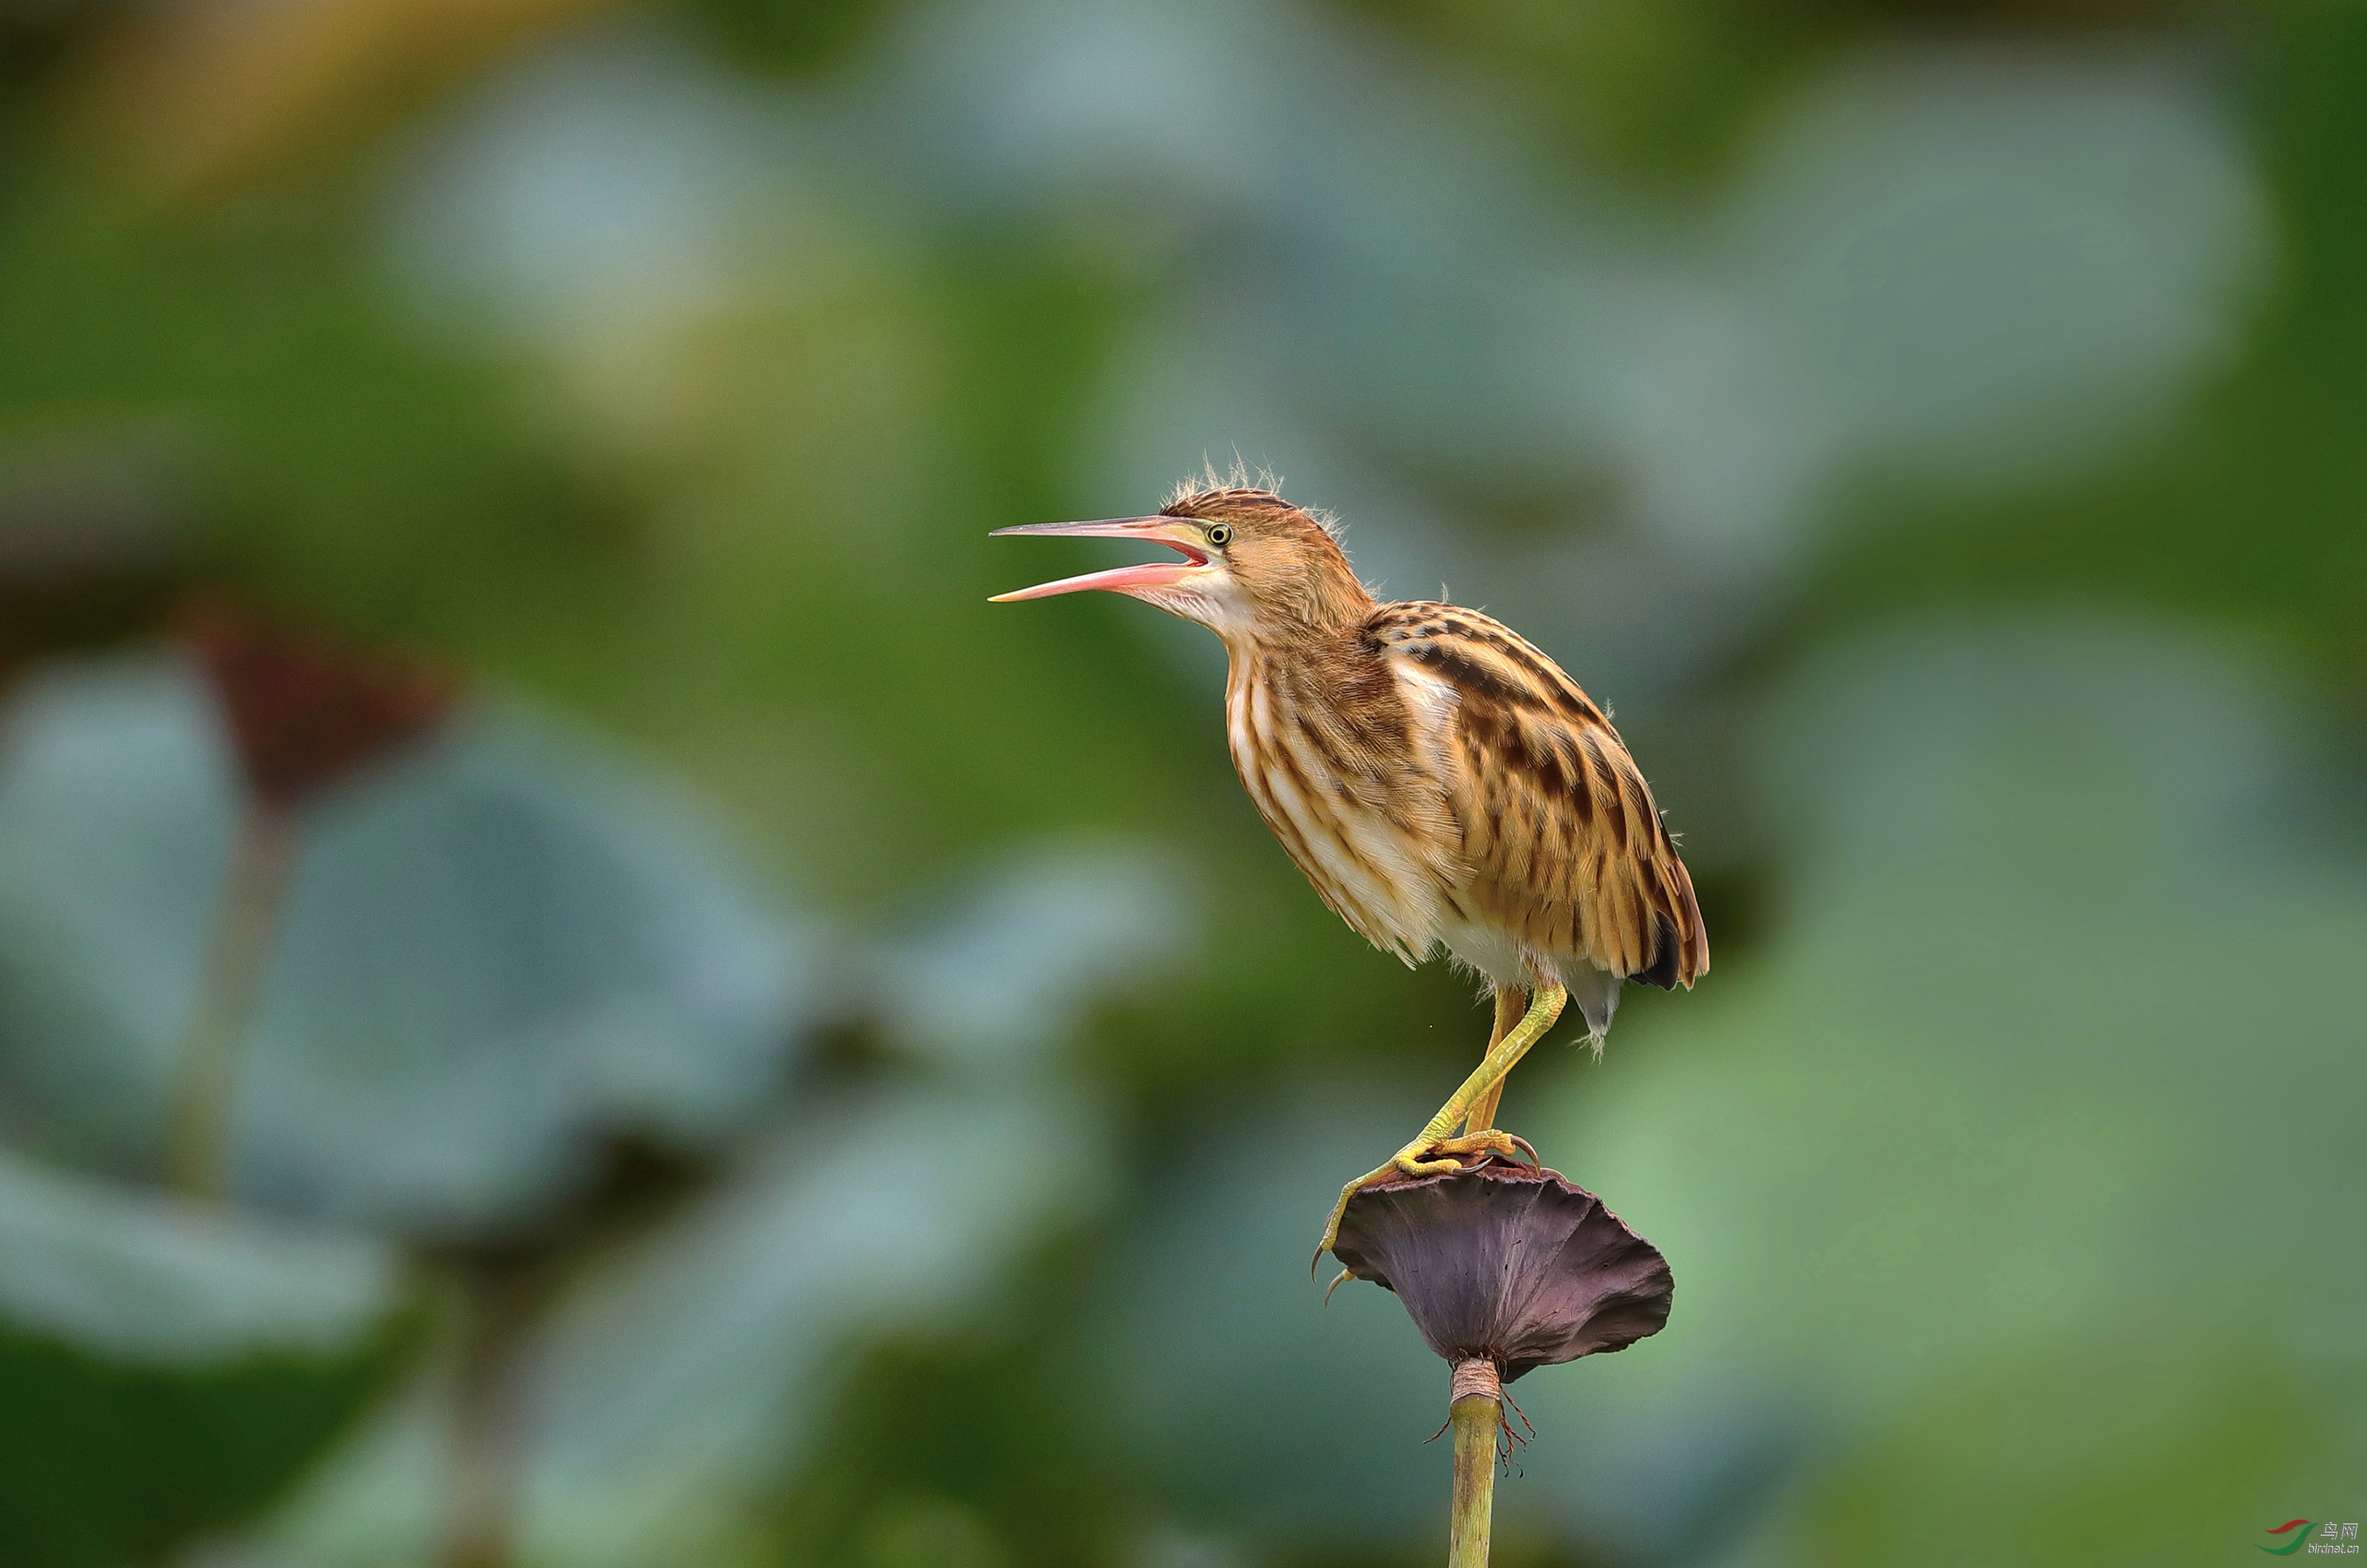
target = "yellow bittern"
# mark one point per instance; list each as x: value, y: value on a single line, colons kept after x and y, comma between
x: 1440, y: 783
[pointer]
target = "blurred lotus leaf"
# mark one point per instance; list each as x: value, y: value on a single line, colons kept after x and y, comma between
x: 2084, y: 1453
x: 682, y: 1375
x: 2064, y: 966
x: 1207, y: 1323
x: 169, y: 1369
x: 1987, y: 259
x: 491, y: 953
x: 673, y: 1382
x: 1003, y: 969
x: 139, y: 1277
x: 605, y: 186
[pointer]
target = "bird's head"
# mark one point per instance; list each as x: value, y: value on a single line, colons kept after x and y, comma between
x: 1253, y: 565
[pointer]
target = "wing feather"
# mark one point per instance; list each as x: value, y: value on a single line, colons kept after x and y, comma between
x: 1565, y: 848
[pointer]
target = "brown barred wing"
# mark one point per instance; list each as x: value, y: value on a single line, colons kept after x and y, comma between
x: 1565, y: 849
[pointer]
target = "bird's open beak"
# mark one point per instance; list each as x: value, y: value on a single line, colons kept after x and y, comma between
x: 1176, y: 534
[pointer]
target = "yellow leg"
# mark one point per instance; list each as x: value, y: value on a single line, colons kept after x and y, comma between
x: 1511, y: 1001
x: 1436, y: 1139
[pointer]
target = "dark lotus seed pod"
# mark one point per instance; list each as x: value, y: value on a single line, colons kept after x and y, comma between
x: 306, y: 709
x: 1506, y: 1262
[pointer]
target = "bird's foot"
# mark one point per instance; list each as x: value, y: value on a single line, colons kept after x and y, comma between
x: 1420, y: 1157
x: 1490, y: 1139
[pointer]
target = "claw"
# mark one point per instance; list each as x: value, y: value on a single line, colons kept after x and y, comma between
x: 1338, y: 1280
x: 1331, y: 1226
x: 1411, y: 1161
x: 1493, y: 1142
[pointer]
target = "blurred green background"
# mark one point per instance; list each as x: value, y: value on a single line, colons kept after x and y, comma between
x: 803, y: 1067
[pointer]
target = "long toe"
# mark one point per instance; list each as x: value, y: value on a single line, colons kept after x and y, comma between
x: 1331, y: 1226
x: 1494, y: 1141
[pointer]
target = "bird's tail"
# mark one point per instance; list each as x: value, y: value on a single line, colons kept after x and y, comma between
x: 1595, y: 993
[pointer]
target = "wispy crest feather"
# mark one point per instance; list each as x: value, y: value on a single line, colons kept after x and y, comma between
x: 1238, y: 479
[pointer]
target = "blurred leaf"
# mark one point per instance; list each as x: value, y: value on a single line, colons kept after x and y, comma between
x: 492, y: 956
x: 673, y: 1386
x: 2246, y: 512
x: 1665, y: 90
x: 170, y: 1370
x: 1991, y: 260
x: 134, y: 1276
x: 2059, y: 965
x: 800, y: 36
x: 978, y: 1447
x: 1257, y: 1409
x: 1003, y: 969
x: 2135, y: 1446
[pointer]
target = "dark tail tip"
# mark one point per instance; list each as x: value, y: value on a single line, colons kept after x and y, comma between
x: 1666, y: 954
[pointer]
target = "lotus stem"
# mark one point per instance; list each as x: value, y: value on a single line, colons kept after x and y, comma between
x: 498, y: 1308
x: 1474, y: 1405
x: 230, y: 983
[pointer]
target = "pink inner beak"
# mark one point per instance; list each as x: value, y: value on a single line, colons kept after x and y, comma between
x: 1179, y: 537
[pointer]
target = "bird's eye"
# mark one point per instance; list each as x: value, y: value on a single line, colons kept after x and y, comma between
x: 1220, y: 534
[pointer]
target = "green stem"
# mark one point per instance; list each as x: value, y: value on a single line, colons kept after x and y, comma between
x: 1476, y: 1409
x: 500, y: 1302
x: 230, y: 983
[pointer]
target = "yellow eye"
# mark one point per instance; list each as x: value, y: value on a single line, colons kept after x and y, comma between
x: 1220, y: 534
